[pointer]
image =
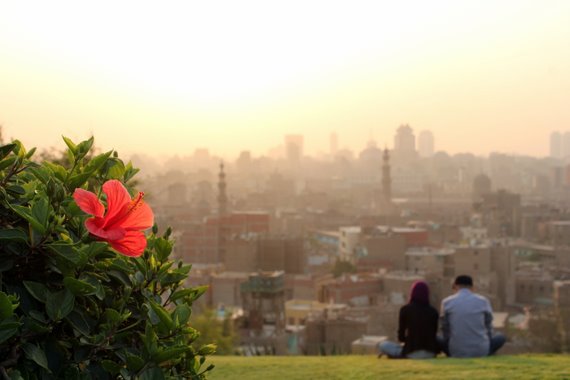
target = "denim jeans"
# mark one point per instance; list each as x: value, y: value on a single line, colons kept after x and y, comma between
x: 394, y: 350
x: 497, y: 341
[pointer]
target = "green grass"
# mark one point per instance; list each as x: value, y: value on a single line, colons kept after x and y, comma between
x: 369, y: 367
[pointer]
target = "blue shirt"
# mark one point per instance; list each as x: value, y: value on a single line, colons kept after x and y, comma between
x: 467, y: 324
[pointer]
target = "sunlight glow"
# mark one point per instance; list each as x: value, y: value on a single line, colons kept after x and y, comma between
x: 291, y: 66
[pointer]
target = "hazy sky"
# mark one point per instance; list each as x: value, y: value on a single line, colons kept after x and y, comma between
x: 170, y: 77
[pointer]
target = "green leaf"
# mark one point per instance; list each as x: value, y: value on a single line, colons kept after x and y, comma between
x: 111, y: 367
x: 153, y: 373
x: 5, y: 150
x: 70, y: 144
x: 169, y: 353
x: 79, y: 179
x: 181, y: 314
x: 8, y: 328
x: 14, y: 234
x: 26, y: 213
x: 78, y: 287
x: 35, y: 327
x: 83, y: 148
x: 97, y: 162
x: 130, y: 172
x: 162, y: 314
x: 78, y: 321
x: 112, y: 315
x: 6, y: 309
x: 134, y: 362
x: 163, y: 248
x: 36, y: 354
x: 40, y: 212
x: 182, y: 294
x: 207, y: 349
x: 40, y: 173
x: 16, y: 190
x: 7, y: 162
x: 121, y: 276
x: 30, y: 153
x: 95, y: 248
x: 67, y: 251
x: 58, y: 171
x: 60, y: 304
x: 150, y: 339
x: 115, y: 168
x: 37, y: 290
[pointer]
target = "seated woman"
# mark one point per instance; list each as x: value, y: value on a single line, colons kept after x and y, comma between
x: 417, y: 327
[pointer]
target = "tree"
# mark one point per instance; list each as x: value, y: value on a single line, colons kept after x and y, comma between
x: 219, y: 331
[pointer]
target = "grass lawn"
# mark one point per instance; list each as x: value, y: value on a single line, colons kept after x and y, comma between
x: 369, y: 367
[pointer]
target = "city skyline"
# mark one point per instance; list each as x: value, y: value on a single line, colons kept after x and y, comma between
x: 482, y: 77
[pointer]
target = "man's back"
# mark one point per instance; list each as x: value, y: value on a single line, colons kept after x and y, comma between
x: 466, y: 322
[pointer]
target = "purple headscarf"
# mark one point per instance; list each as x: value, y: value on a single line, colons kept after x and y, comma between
x: 419, y: 293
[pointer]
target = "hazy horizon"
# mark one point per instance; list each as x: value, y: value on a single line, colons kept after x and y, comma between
x: 167, y: 79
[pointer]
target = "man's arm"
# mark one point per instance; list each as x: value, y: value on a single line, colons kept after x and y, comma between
x: 444, y: 317
x: 489, y: 319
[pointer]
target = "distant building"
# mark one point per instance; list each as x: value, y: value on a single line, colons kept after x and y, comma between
x: 405, y: 141
x: 481, y: 186
x: 405, y: 144
x: 200, y: 242
x: 556, y: 145
x: 566, y: 144
x: 562, y: 305
x: 333, y: 332
x: 425, y: 144
x: 294, y: 148
x: 263, y: 299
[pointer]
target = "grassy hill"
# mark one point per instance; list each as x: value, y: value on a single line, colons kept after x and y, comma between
x: 369, y: 367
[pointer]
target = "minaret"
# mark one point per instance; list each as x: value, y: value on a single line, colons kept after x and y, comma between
x: 222, y: 213
x: 386, y: 179
x: 222, y: 197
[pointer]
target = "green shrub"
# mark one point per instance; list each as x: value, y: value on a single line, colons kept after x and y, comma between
x: 70, y: 305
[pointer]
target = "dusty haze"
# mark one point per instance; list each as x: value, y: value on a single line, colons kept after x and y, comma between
x: 166, y: 79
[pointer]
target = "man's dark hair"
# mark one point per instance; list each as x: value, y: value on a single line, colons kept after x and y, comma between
x: 463, y: 280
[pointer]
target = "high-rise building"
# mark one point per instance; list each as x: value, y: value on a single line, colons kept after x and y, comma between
x: 386, y: 179
x: 294, y: 148
x: 404, y: 144
x: 425, y: 143
x: 556, y: 145
x: 565, y: 144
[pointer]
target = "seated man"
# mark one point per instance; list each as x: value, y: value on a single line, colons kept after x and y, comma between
x: 466, y: 323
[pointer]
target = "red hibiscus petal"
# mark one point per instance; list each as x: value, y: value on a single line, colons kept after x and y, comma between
x: 132, y: 244
x: 118, y: 200
x: 94, y: 226
x: 88, y: 202
x: 140, y: 218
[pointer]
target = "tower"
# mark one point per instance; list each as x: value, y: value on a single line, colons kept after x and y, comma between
x: 386, y: 179
x: 222, y: 197
x: 405, y: 141
x: 222, y: 214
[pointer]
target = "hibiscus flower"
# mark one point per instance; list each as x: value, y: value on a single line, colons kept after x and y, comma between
x: 122, y: 225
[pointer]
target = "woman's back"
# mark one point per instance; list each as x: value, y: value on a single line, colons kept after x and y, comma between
x: 418, y: 327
